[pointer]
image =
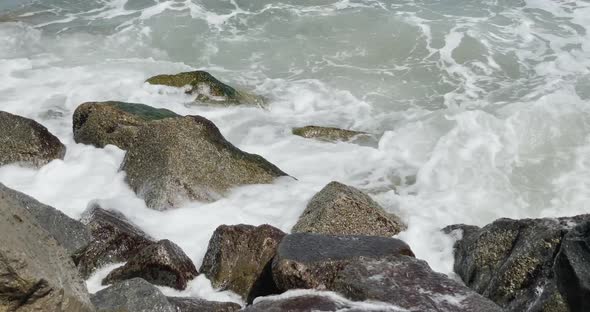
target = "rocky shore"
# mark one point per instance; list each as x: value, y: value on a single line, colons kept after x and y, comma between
x: 341, y: 250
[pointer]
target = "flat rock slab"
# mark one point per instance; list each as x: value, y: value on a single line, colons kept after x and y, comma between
x: 133, y: 295
x: 184, y: 304
x: 310, y: 302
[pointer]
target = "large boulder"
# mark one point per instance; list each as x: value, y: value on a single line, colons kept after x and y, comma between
x: 162, y: 263
x: 133, y: 295
x: 572, y: 268
x: 117, y: 123
x: 25, y: 141
x: 206, y: 88
x: 239, y: 259
x: 318, y: 301
x: 339, y: 209
x: 36, y: 274
x: 69, y: 233
x: 114, y: 239
x: 184, y: 304
x: 331, y: 134
x: 187, y: 158
x: 511, y: 262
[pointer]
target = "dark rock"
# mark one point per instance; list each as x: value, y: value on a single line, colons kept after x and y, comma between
x: 239, y: 257
x: 162, y: 263
x: 572, y: 268
x: 117, y: 123
x: 114, y: 239
x: 36, y: 274
x: 176, y: 159
x: 134, y: 295
x: 304, y: 303
x: 314, y: 260
x: 25, y: 141
x: 334, y: 134
x: 461, y: 231
x: 207, y: 88
x: 183, y: 304
x: 511, y: 262
x: 339, y: 209
x: 69, y: 233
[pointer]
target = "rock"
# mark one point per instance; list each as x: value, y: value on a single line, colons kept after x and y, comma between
x: 304, y: 303
x: 176, y: 159
x: 511, y: 262
x: 183, y: 304
x: 461, y: 231
x: 25, y: 141
x: 36, y: 274
x: 239, y: 258
x: 117, y: 123
x: 162, y: 263
x: 330, y: 134
x: 134, y: 295
x: 572, y: 268
x: 69, y: 233
x: 207, y: 88
x: 114, y: 239
x: 343, y: 210
x: 308, y: 261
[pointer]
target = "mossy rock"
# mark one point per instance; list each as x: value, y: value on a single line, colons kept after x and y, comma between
x: 330, y: 134
x: 207, y: 88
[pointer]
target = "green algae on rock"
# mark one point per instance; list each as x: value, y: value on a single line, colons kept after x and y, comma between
x: 207, y: 88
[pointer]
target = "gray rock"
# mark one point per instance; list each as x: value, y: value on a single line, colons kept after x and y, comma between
x: 36, y: 274
x: 187, y: 158
x: 25, y: 141
x: 114, y: 239
x: 572, y: 268
x: 511, y: 262
x: 339, y: 209
x: 331, y: 134
x: 313, y: 261
x: 69, y: 233
x: 239, y: 257
x: 304, y: 303
x: 162, y: 263
x: 134, y: 295
x: 184, y: 304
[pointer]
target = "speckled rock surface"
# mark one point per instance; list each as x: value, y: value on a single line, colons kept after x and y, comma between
x: 162, y: 263
x: 114, y: 239
x: 184, y: 304
x: 238, y: 258
x: 134, y: 295
x: 339, y: 209
x: 572, y: 268
x: 117, y: 123
x: 36, y: 274
x: 207, y: 88
x: 176, y: 159
x: 334, y: 134
x: 26, y: 142
x: 313, y: 261
x: 69, y: 233
x: 304, y: 303
x: 509, y: 261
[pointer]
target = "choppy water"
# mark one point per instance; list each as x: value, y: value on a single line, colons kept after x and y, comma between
x: 484, y: 104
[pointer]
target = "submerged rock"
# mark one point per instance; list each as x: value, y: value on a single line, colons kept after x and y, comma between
x: 36, y: 274
x: 511, y: 262
x: 134, y: 295
x: 187, y: 158
x: 114, y: 239
x: 25, y: 141
x: 339, y: 209
x: 162, y: 263
x: 184, y: 304
x: 572, y: 268
x: 239, y: 257
x: 207, y: 88
x: 69, y: 233
x: 116, y: 123
x: 334, y: 134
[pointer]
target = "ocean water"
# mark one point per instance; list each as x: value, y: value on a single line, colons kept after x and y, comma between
x: 482, y: 107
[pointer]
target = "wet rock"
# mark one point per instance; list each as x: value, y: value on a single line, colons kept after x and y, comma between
x: 176, y: 159
x: 303, y: 303
x: 26, y: 142
x: 511, y: 262
x: 69, y: 233
x: 461, y: 231
x: 207, y: 88
x: 239, y: 257
x: 117, y: 123
x: 334, y: 134
x: 36, y: 274
x: 114, y: 239
x: 308, y: 261
x: 339, y: 209
x: 184, y: 304
x: 162, y: 263
x: 134, y: 295
x: 572, y: 268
